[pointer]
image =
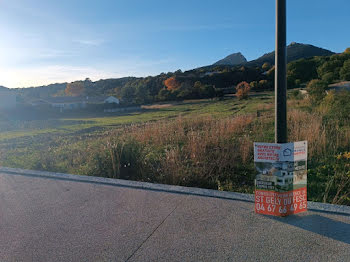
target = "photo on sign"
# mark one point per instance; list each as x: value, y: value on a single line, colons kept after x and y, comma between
x: 281, y: 176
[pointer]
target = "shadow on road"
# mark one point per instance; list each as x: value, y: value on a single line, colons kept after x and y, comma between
x: 321, y: 225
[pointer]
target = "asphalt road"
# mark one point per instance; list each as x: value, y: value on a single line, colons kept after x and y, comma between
x: 45, y: 219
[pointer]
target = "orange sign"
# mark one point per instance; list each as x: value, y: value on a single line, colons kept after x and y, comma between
x: 280, y: 204
x: 280, y: 184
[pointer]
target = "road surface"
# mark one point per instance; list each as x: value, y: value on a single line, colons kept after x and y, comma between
x: 50, y: 219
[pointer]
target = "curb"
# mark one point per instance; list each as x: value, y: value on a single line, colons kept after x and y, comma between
x: 312, y: 206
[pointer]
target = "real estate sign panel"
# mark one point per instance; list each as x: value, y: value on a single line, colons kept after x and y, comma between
x: 280, y: 184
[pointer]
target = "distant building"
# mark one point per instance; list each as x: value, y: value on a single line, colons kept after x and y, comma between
x: 102, y: 100
x: 67, y: 102
x: 71, y: 102
x: 38, y: 102
x: 7, y: 100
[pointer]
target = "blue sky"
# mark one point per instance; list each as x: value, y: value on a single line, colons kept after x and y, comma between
x: 45, y: 41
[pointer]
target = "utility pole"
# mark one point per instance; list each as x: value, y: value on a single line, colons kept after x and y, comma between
x: 281, y: 73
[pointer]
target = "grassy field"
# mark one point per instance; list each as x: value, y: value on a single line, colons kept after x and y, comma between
x: 201, y: 143
x: 92, y: 123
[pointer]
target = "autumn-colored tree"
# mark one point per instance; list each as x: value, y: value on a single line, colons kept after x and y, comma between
x: 171, y: 83
x: 75, y: 89
x: 242, y: 90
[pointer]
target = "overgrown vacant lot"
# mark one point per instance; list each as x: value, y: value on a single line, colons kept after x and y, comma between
x: 203, y: 143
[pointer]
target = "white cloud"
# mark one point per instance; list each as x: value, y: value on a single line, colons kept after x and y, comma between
x: 90, y: 42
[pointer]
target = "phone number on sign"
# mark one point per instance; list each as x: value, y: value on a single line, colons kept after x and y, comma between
x: 281, y: 209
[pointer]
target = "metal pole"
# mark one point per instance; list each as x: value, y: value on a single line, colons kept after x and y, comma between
x: 280, y: 74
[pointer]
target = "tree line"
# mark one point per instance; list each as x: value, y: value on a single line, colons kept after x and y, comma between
x: 207, y: 82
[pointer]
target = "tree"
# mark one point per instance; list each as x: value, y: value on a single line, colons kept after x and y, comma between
x: 303, y: 69
x: 171, y: 83
x: 336, y: 105
x: 263, y: 84
x: 197, y: 84
x: 330, y: 66
x: 345, y: 71
x: 316, y: 90
x: 128, y: 94
x: 178, y: 72
x: 142, y: 94
x: 185, y: 91
x: 266, y: 66
x: 207, y: 91
x: 347, y: 50
x: 75, y: 89
x: 328, y: 77
x: 242, y: 90
x: 254, y: 85
x: 164, y: 94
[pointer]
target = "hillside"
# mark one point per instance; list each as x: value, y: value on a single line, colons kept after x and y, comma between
x: 233, y: 59
x: 295, y: 51
x: 306, y: 62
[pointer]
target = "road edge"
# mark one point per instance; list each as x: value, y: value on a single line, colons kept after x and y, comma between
x: 312, y: 206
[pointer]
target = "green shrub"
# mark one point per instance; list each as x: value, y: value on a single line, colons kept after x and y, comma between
x: 316, y: 90
x: 336, y: 105
x: 330, y: 182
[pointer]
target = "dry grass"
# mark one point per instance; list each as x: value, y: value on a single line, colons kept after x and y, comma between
x: 157, y: 106
x: 306, y: 126
x: 323, y: 138
x: 228, y: 139
x: 196, y: 151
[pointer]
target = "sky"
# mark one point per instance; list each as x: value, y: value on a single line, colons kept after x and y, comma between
x: 47, y: 41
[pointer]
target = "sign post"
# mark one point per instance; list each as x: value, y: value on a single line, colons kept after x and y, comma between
x: 280, y: 184
x: 281, y: 73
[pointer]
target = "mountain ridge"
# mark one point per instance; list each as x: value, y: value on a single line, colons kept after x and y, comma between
x: 233, y: 59
x: 295, y: 51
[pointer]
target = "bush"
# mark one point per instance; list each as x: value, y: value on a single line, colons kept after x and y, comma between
x: 336, y: 105
x: 330, y: 183
x: 316, y: 90
x: 296, y: 94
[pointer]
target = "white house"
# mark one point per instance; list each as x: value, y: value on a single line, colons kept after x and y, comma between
x: 7, y: 100
x: 284, y: 178
x: 111, y: 100
x: 102, y: 100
